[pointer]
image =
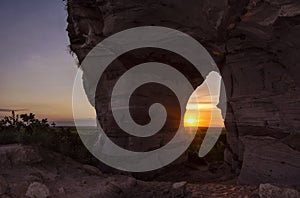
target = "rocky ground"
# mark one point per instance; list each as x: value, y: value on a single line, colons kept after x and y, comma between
x: 28, y: 171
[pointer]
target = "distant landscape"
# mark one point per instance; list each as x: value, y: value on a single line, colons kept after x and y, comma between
x: 63, y: 137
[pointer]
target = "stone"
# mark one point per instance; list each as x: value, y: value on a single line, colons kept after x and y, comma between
x: 35, y: 177
x: 111, y: 190
x: 179, y: 189
x: 284, y: 166
x: 37, y: 190
x: 92, y: 170
x: 271, y: 191
x: 62, y: 191
x: 16, y: 154
x: 268, y: 191
x: 290, y: 193
x: 131, y: 182
x: 3, y: 185
x: 127, y: 185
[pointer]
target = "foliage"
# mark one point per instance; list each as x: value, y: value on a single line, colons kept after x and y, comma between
x: 26, y: 129
x: 216, y: 153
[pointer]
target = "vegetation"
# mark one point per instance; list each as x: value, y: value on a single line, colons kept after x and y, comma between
x: 215, y: 154
x: 26, y: 129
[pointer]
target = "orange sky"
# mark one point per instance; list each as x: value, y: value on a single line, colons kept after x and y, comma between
x: 201, y: 101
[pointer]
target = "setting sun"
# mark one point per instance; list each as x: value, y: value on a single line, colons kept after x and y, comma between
x: 191, y: 122
x: 201, y: 109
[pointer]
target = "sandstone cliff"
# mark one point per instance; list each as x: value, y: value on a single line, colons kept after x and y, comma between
x: 255, y: 44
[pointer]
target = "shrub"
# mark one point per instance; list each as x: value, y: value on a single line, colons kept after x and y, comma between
x: 26, y: 129
x: 215, y: 154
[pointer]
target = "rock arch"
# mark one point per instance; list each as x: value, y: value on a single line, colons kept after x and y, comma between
x: 255, y: 44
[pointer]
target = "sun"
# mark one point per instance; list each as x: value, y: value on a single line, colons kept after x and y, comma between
x: 191, y: 120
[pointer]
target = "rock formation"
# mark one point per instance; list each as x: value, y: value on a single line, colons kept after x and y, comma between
x: 255, y: 44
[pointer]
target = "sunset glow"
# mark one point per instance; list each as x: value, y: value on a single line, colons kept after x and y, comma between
x: 191, y: 122
x: 49, y: 94
x: 202, y: 105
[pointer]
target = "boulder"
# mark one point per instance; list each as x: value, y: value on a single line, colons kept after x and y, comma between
x: 127, y: 185
x: 37, y: 190
x: 17, y: 154
x: 269, y: 160
x: 179, y: 189
x: 110, y: 190
x: 271, y: 191
x: 62, y: 191
x: 91, y: 170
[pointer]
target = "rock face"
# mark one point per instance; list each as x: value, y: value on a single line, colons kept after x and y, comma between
x: 255, y: 44
x: 3, y: 185
x: 277, y: 161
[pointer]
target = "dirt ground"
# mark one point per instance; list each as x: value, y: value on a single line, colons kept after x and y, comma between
x: 66, y: 178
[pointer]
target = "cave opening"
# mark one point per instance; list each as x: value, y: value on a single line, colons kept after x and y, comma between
x: 202, y: 112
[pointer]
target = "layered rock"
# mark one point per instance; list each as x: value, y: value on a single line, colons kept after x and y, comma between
x: 260, y: 74
x: 255, y: 44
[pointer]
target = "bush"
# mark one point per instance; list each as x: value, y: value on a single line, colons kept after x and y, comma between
x: 26, y: 129
x: 215, y: 154
x: 8, y: 136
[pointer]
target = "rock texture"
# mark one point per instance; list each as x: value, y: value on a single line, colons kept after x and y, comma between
x: 61, y: 177
x: 13, y: 155
x: 179, y: 189
x: 3, y: 185
x: 277, y: 161
x: 91, y: 170
x: 255, y: 44
x: 37, y: 190
x: 271, y: 191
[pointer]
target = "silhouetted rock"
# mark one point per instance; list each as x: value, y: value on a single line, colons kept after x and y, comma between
x: 256, y: 47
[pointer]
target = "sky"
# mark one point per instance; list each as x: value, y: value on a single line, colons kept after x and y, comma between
x: 37, y: 70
